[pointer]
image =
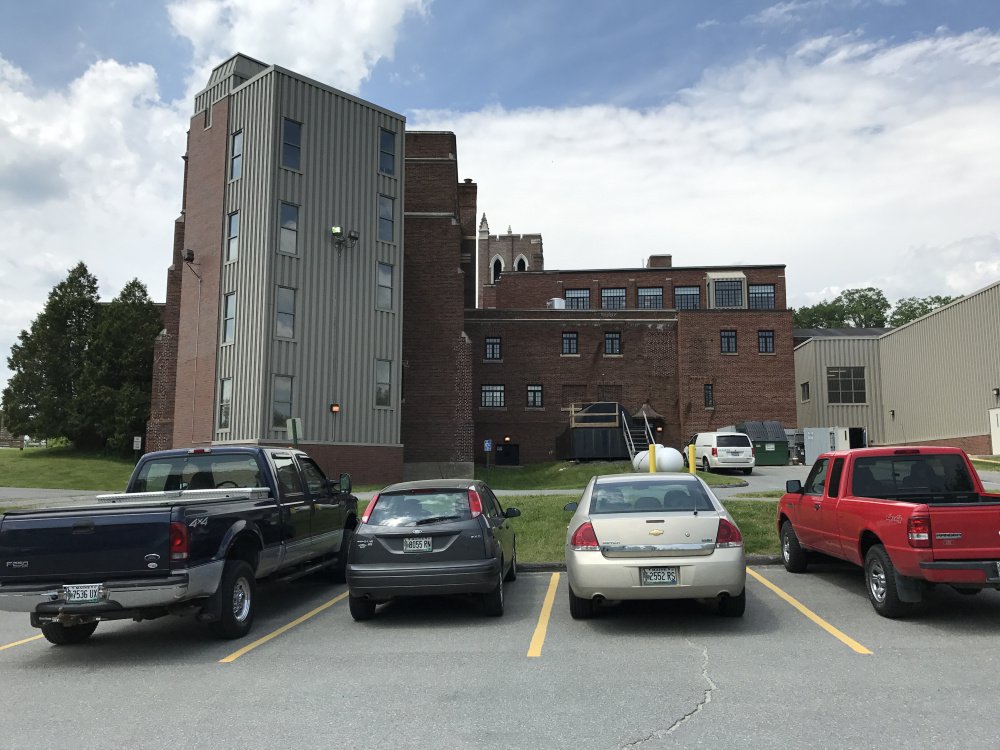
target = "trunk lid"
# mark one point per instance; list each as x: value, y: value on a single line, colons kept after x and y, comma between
x: 656, y: 534
x: 965, y: 532
x: 74, y: 545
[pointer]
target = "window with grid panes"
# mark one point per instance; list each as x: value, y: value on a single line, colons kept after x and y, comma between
x: 570, y: 342
x: 291, y: 143
x: 491, y: 396
x: 765, y: 342
x: 709, y: 396
x: 492, y: 348
x: 577, y: 299
x: 233, y: 236
x: 760, y: 296
x: 729, y: 293
x: 845, y: 385
x: 288, y: 239
x: 687, y: 297
x: 612, y: 342
x: 613, y: 299
x: 728, y: 342
x: 650, y: 297
x: 236, y: 156
x: 534, y: 396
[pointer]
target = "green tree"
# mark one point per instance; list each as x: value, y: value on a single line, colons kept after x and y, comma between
x: 821, y: 315
x: 48, y: 362
x: 911, y: 308
x: 864, y: 308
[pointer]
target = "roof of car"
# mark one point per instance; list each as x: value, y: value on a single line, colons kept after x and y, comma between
x: 645, y: 476
x: 432, y: 484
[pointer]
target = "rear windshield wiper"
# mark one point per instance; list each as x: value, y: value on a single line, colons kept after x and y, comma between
x: 437, y: 519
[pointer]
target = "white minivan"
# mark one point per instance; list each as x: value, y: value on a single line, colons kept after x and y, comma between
x: 724, y: 450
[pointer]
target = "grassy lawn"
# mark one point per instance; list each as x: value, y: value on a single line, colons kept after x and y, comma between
x: 987, y: 463
x: 569, y: 475
x: 759, y: 493
x: 62, y: 469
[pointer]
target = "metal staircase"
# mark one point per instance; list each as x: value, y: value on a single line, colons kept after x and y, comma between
x: 636, y: 438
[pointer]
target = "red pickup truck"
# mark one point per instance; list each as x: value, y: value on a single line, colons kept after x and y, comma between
x: 913, y: 517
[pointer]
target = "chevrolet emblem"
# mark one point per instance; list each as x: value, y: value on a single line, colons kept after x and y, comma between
x: 656, y: 532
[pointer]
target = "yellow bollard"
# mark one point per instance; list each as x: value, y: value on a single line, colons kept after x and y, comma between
x: 652, y: 458
x: 691, y: 467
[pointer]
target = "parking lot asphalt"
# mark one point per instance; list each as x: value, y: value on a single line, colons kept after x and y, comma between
x: 437, y: 673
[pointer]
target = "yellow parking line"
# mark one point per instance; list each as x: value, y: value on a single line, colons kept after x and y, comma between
x: 838, y: 634
x: 18, y: 643
x: 283, y: 629
x: 535, y: 649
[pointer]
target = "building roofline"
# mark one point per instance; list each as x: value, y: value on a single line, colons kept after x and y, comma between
x: 958, y: 301
x: 663, y: 269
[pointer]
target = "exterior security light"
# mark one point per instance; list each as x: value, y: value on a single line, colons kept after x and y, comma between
x: 340, y: 240
x: 335, y: 408
x: 336, y: 231
x: 996, y: 392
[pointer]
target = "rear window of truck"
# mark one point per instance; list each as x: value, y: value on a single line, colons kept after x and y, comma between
x: 202, y: 471
x: 941, y: 478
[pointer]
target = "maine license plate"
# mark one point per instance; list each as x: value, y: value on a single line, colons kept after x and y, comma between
x: 658, y: 576
x: 417, y: 544
x: 89, y: 592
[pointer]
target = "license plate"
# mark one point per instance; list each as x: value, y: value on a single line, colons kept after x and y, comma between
x: 90, y: 592
x: 658, y: 576
x: 417, y: 544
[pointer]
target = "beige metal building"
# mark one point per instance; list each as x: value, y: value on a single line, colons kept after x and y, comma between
x: 935, y: 380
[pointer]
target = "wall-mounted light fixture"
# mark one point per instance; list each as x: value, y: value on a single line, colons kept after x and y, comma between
x: 340, y: 239
x: 189, y: 256
x: 506, y: 438
x: 996, y: 393
x: 335, y: 408
x: 892, y: 413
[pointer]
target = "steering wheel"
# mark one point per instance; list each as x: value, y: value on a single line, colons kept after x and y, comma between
x: 227, y: 482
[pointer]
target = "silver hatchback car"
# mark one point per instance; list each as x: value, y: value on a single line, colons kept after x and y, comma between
x: 653, y: 536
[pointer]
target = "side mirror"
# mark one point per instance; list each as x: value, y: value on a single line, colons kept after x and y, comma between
x: 344, y: 484
x: 511, y: 513
x: 793, y: 486
x: 571, y: 506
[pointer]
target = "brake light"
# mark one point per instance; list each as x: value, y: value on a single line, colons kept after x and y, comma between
x: 179, y: 541
x: 584, y: 538
x: 728, y: 535
x: 715, y: 451
x: 918, y: 531
x: 753, y: 451
x: 369, y: 509
x: 475, y: 504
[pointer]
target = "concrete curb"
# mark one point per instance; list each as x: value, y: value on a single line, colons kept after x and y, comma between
x: 555, y: 567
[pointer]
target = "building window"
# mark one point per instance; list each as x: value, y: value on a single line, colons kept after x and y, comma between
x: 387, y: 152
x: 492, y: 348
x: 233, y: 237
x: 285, y: 318
x: 288, y: 241
x: 709, y: 396
x: 521, y: 264
x: 651, y: 298
x: 804, y: 388
x: 225, y: 402
x: 728, y: 339
x: 383, y: 291
x: 281, y: 404
x: 385, y: 220
x: 578, y: 299
x: 845, y: 385
x: 612, y: 342
x: 687, y: 297
x: 291, y: 143
x: 765, y: 342
x: 569, y: 342
x: 229, y: 318
x: 760, y: 296
x: 491, y: 396
x: 534, y: 396
x: 383, y: 373
x: 613, y: 299
x: 236, y: 157
x: 496, y: 270
x: 729, y: 293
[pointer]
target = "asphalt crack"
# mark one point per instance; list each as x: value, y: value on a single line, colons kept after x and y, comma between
x: 706, y: 699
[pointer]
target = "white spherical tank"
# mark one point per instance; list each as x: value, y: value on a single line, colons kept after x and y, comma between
x: 667, y: 459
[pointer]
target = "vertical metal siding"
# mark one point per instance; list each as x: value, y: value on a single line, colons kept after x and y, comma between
x: 841, y: 352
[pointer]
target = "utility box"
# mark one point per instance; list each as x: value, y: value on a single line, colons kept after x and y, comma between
x: 822, y: 439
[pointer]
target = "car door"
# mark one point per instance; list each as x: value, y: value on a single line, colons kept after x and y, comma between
x: 327, y: 507
x: 827, y: 525
x: 296, y: 509
x: 499, y: 524
x: 807, y: 527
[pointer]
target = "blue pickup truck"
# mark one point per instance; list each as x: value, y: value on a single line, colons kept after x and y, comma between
x: 191, y: 535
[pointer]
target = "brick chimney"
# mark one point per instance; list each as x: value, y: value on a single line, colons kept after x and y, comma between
x: 659, y: 261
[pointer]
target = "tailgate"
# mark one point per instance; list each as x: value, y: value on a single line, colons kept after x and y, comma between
x: 79, y: 546
x: 965, y: 532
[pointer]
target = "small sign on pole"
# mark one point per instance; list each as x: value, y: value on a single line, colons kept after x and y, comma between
x: 487, y: 445
x: 137, y: 443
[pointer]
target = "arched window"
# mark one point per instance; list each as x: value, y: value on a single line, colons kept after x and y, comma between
x: 496, y: 270
x: 521, y: 264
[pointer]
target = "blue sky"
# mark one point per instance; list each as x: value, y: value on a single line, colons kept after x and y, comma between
x: 853, y: 140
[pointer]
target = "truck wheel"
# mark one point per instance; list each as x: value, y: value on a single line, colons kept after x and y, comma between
x: 792, y: 555
x: 238, y: 595
x: 512, y: 571
x: 67, y: 635
x: 733, y: 606
x: 880, y: 578
x: 704, y: 465
x: 362, y: 608
x: 748, y: 472
x: 493, y: 601
x: 580, y: 608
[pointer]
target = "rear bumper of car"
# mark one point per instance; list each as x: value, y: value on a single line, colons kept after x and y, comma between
x: 591, y: 575
x: 981, y: 572
x: 385, y: 581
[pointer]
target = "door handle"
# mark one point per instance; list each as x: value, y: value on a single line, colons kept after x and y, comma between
x: 817, y: 505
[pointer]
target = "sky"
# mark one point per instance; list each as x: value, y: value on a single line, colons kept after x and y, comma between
x: 855, y: 141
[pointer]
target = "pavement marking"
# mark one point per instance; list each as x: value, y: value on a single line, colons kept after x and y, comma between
x: 283, y: 629
x: 535, y: 649
x: 18, y: 643
x: 838, y: 634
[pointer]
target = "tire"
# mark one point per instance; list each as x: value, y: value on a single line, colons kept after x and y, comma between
x: 880, y: 581
x: 67, y: 635
x: 512, y: 571
x: 493, y: 601
x: 238, y: 597
x: 580, y: 608
x: 362, y: 608
x: 733, y: 606
x: 748, y: 472
x: 792, y: 554
x: 704, y: 465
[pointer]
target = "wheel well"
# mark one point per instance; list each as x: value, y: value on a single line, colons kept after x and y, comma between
x: 868, y: 540
x: 352, y: 523
x: 245, y: 547
x: 781, y: 521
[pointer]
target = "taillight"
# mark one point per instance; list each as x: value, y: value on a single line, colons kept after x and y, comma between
x: 753, y: 451
x: 918, y: 531
x: 715, y: 451
x: 728, y: 535
x: 584, y: 538
x: 475, y: 504
x: 178, y: 541
x: 369, y: 509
